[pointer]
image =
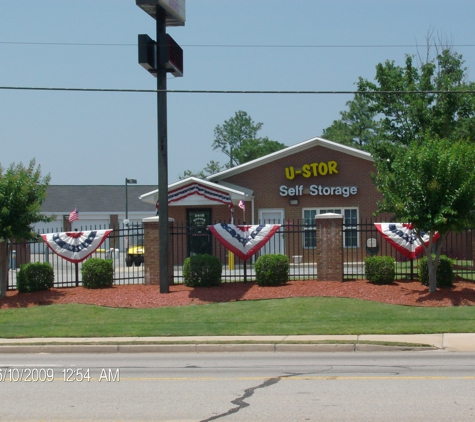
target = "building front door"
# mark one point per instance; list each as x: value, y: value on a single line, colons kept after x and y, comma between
x: 199, y: 237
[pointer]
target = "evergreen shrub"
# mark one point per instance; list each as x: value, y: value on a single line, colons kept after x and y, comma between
x: 97, y: 273
x: 445, y: 272
x: 380, y: 269
x: 35, y: 276
x: 202, y: 270
x: 272, y: 270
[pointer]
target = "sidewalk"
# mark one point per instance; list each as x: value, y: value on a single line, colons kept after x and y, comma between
x: 452, y: 342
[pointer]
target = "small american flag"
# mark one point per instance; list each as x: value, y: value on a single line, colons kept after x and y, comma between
x: 242, y: 205
x: 74, y: 215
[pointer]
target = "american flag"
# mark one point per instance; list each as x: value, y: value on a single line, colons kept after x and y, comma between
x: 242, y: 205
x: 74, y: 215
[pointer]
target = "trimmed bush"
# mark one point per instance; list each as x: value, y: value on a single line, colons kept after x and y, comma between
x: 202, y: 270
x: 97, y: 273
x: 380, y: 269
x: 445, y: 272
x: 35, y: 276
x: 272, y: 270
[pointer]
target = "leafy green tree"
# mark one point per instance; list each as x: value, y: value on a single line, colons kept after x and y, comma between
x: 410, y: 113
x: 429, y: 183
x: 422, y: 140
x: 211, y: 168
x: 230, y: 136
x: 339, y: 131
x: 22, y: 191
x: 237, y: 138
x: 357, y: 126
x: 252, y: 149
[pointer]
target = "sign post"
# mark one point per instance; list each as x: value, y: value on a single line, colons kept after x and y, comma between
x: 159, y: 58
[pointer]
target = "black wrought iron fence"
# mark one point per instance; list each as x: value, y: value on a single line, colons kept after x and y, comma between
x: 296, y: 239
x: 370, y: 242
x: 288, y: 240
x: 68, y: 274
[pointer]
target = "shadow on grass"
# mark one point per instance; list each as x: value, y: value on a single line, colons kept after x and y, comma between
x: 24, y: 300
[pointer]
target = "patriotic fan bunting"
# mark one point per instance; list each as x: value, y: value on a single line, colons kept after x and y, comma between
x: 75, y: 246
x: 243, y: 241
x: 197, y: 189
x: 402, y: 238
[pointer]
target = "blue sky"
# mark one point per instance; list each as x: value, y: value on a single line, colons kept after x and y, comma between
x: 102, y: 138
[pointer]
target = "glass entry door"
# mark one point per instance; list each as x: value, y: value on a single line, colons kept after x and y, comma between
x: 199, y: 237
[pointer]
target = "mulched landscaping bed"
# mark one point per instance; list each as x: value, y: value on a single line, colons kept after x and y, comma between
x: 405, y: 292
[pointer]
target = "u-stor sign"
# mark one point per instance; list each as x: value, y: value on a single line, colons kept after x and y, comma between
x: 315, y: 169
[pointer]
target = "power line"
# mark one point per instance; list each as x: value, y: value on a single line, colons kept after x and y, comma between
x: 198, y: 91
x: 232, y: 45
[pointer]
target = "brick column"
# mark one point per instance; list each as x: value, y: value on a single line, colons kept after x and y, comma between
x: 151, y: 241
x: 329, y: 247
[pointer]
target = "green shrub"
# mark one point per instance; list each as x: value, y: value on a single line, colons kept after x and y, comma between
x: 445, y: 273
x: 272, y: 270
x: 35, y: 276
x: 97, y: 273
x: 202, y: 270
x: 380, y: 269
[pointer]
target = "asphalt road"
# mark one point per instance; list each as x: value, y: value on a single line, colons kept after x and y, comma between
x: 394, y: 386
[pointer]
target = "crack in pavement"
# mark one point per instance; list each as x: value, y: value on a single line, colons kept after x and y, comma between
x: 241, y: 404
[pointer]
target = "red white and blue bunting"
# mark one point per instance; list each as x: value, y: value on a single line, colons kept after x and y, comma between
x: 243, y: 241
x: 197, y: 189
x: 75, y: 246
x: 402, y: 238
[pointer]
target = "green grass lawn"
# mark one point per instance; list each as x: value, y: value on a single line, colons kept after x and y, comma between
x: 314, y: 315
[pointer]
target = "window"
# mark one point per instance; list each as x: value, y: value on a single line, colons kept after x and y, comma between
x: 350, y: 221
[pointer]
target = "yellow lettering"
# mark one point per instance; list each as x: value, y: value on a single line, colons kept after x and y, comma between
x: 306, y: 171
x: 323, y: 168
x: 332, y: 167
x: 289, y: 172
x: 314, y: 168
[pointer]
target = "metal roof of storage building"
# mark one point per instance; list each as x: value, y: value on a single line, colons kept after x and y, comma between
x: 96, y: 198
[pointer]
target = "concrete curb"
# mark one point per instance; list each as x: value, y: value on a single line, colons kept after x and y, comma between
x: 452, y: 342
x: 205, y: 348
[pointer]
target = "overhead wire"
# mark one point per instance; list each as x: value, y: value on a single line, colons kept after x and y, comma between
x: 232, y: 45
x: 295, y: 92
x: 209, y: 91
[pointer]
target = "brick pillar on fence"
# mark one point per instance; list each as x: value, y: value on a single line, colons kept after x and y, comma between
x: 151, y: 241
x: 329, y: 247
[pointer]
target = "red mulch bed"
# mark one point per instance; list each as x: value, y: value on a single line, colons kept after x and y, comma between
x: 410, y: 293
